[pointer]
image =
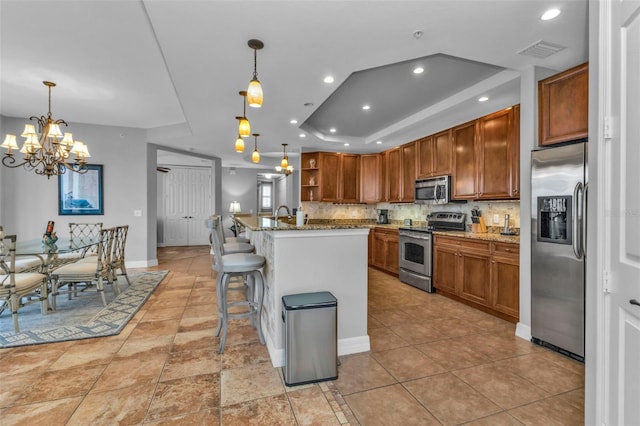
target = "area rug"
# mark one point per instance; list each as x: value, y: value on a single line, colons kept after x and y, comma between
x: 82, y: 317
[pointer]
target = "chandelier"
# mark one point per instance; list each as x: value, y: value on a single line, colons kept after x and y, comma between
x: 47, y: 153
x: 284, y: 168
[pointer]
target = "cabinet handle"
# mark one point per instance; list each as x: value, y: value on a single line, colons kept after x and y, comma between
x: 634, y: 302
x: 507, y: 249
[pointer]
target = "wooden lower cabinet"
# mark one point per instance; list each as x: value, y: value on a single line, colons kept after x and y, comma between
x: 480, y: 273
x: 383, y: 249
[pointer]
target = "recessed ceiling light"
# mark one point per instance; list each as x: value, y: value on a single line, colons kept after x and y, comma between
x: 293, y: 121
x: 418, y: 70
x: 328, y: 79
x: 302, y: 135
x: 332, y: 130
x: 550, y: 14
x: 346, y: 144
x: 366, y: 107
x: 483, y: 99
x: 379, y: 142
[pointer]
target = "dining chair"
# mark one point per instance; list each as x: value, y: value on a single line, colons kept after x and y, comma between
x: 79, y: 234
x: 245, y: 269
x: 117, y: 253
x: 87, y: 272
x: 19, y: 289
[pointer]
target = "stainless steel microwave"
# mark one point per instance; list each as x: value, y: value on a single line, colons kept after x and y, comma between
x: 434, y: 190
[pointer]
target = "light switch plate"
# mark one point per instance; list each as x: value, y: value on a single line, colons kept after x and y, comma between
x: 137, y: 213
x: 496, y: 218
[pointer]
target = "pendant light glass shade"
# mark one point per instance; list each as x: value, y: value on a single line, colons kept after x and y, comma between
x: 254, y: 91
x: 255, y: 156
x: 239, y: 144
x: 244, y: 128
x: 285, y: 159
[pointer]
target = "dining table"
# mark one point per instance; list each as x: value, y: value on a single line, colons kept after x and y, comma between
x: 49, y: 253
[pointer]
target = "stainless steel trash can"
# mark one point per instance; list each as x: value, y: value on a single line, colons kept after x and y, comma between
x: 310, y: 333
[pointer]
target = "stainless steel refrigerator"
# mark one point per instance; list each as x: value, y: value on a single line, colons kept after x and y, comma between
x: 558, y: 247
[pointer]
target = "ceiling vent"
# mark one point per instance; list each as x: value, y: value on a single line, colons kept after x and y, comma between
x: 541, y: 49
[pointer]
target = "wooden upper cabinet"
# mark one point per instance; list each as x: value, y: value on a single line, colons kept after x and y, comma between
x: 497, y: 154
x: 349, y: 179
x: 370, y: 178
x: 408, y: 167
x: 393, y: 175
x: 563, y: 106
x: 434, y: 155
x: 425, y: 157
x: 329, y: 172
x: 443, y: 151
x: 340, y: 177
x: 465, y: 164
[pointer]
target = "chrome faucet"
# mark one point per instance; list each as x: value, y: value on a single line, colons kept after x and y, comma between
x: 283, y: 207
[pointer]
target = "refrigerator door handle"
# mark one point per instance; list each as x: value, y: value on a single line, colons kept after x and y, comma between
x: 576, y: 227
x: 583, y: 236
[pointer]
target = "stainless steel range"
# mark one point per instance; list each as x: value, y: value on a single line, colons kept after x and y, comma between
x: 416, y: 247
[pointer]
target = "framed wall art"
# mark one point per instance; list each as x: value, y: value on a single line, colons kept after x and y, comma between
x: 81, y: 194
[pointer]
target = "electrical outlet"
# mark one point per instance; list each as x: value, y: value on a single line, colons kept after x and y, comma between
x: 496, y: 218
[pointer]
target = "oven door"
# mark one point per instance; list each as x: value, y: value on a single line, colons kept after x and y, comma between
x: 415, y: 252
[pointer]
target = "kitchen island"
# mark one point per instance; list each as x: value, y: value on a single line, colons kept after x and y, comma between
x: 312, y: 258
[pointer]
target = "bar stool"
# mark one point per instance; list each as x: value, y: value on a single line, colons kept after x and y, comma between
x: 245, y: 266
x: 233, y: 246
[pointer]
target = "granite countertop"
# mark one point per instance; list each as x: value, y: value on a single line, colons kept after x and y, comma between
x: 260, y: 223
x: 257, y: 223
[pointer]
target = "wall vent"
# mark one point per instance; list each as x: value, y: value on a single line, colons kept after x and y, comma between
x: 541, y: 49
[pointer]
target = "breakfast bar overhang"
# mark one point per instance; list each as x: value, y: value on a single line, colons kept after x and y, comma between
x: 312, y: 258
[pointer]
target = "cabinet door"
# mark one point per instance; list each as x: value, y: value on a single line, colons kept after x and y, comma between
x: 515, y: 154
x: 329, y: 172
x: 496, y: 140
x: 370, y: 246
x: 442, y: 153
x: 349, y: 178
x: 475, y: 276
x: 370, y: 178
x: 563, y: 106
x: 425, y: 157
x: 505, y: 285
x: 464, y: 162
x: 408, y: 167
x: 393, y: 174
x: 444, y: 267
x: 393, y: 257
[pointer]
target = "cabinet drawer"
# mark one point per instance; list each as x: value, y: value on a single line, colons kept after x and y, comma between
x: 506, y: 249
x: 462, y: 243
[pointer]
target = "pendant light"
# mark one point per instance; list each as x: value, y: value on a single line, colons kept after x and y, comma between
x: 239, y: 144
x: 285, y: 159
x: 244, y: 128
x: 254, y: 92
x: 255, y: 156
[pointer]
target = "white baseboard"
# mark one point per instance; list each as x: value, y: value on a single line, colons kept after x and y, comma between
x: 354, y: 345
x: 345, y: 347
x: 523, y: 331
x: 141, y: 263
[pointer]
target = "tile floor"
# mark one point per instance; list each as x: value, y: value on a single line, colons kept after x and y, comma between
x: 432, y: 361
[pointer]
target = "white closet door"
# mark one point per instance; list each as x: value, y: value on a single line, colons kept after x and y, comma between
x: 187, y: 203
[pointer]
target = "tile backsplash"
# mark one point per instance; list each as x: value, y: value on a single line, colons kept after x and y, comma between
x: 416, y: 212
